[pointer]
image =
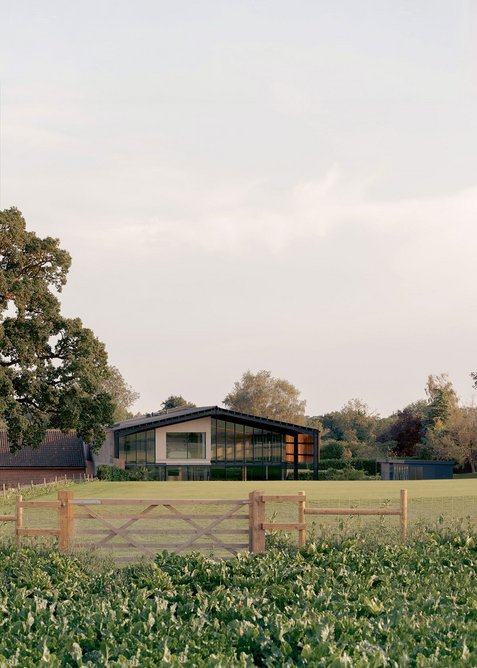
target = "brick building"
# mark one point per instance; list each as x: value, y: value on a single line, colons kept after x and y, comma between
x: 59, y: 454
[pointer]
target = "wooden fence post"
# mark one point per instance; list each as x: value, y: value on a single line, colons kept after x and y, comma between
x: 301, y: 519
x: 403, y: 515
x: 256, y: 520
x: 18, y: 519
x: 65, y: 520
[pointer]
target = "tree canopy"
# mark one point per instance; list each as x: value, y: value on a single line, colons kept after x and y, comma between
x: 474, y: 378
x: 354, y: 422
x: 406, y: 429
x: 122, y: 394
x: 52, y: 369
x: 176, y: 401
x: 442, y: 401
x: 262, y: 394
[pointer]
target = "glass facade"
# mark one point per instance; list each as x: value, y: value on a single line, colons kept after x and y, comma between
x: 238, y: 452
x: 185, y: 445
x: 241, y: 444
x: 138, y: 449
x: 188, y: 473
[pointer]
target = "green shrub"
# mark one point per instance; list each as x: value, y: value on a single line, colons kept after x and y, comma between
x: 140, y: 473
x: 370, y: 466
x: 349, y: 473
x: 332, y: 450
x: 106, y: 472
x: 326, y: 464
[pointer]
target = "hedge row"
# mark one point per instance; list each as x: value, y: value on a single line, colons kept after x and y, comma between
x: 106, y: 472
x: 369, y: 466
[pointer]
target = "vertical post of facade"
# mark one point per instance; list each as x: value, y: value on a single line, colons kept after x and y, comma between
x: 65, y: 520
x: 256, y: 520
x: 316, y: 454
x: 18, y: 519
x: 301, y: 519
x: 404, y: 515
x: 295, y: 456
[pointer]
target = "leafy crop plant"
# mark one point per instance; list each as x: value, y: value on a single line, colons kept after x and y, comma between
x: 344, y: 603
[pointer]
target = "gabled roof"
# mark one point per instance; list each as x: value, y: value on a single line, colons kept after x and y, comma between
x: 177, y: 415
x: 58, y: 450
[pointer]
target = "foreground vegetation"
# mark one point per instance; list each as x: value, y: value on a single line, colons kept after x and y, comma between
x: 347, y: 603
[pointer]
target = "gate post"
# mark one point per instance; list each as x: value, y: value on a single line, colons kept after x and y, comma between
x: 18, y: 520
x: 65, y: 520
x: 301, y: 519
x: 256, y: 520
x: 403, y: 509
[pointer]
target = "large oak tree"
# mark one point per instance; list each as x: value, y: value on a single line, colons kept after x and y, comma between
x: 52, y: 369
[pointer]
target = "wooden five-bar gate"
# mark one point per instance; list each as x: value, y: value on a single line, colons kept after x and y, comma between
x: 131, y: 527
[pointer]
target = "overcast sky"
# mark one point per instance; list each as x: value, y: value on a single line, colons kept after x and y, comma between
x: 261, y: 184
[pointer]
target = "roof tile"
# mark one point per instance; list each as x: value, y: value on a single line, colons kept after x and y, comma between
x: 58, y: 450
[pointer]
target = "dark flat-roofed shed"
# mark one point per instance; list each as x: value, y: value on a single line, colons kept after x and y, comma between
x: 416, y: 469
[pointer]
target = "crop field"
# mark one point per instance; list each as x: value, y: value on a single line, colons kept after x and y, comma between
x: 332, y: 604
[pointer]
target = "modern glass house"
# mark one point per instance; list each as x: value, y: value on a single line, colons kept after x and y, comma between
x: 213, y: 443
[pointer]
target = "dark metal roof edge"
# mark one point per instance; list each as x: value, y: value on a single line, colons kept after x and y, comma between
x: 43, y: 466
x: 270, y: 421
x: 409, y: 460
x: 210, y: 411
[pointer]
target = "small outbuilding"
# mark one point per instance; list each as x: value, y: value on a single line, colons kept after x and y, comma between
x: 416, y: 469
x: 60, y: 454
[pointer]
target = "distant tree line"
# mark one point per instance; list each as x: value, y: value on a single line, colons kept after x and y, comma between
x: 437, y: 427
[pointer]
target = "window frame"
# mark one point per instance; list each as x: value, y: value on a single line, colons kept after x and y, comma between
x: 187, y: 443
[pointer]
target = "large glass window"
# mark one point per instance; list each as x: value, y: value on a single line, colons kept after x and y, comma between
x: 248, y: 443
x: 138, y: 449
x: 185, y: 445
x: 239, y: 452
x: 220, y: 436
x: 257, y: 444
x: 213, y: 454
x: 230, y: 442
x: 236, y: 443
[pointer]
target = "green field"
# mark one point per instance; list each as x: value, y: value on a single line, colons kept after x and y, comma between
x: 316, y: 491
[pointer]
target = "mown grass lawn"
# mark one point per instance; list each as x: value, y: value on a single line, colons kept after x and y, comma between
x: 316, y: 491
